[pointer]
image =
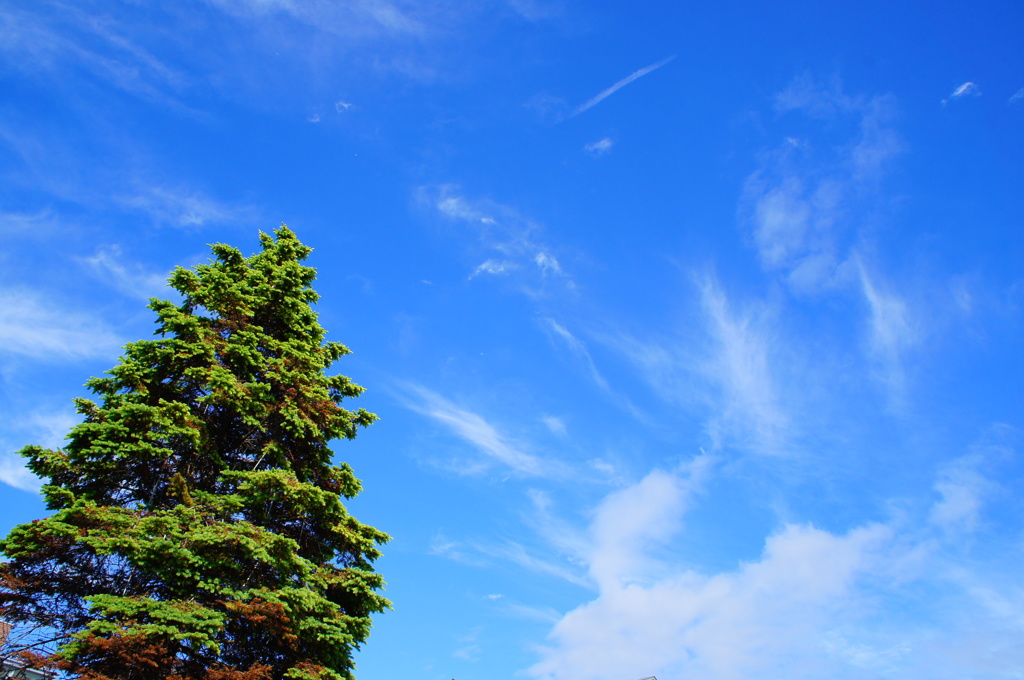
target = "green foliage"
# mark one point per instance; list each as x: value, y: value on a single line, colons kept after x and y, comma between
x: 198, y: 527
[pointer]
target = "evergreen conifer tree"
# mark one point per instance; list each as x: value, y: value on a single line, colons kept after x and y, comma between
x: 198, y: 529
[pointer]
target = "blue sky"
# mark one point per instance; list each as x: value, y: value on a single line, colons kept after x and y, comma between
x: 693, y: 327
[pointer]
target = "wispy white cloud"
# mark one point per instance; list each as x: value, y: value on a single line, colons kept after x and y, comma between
x: 39, y: 224
x: 815, y: 200
x: 967, y: 484
x: 47, y: 429
x: 42, y: 43
x: 536, y: 10
x: 130, y: 278
x: 390, y: 38
x: 604, y: 94
x: 547, y: 263
x: 519, y: 555
x: 1016, y: 96
x: 793, y: 227
x: 600, y: 147
x: 750, y: 409
x: 893, y: 328
x: 33, y: 327
x: 560, y: 535
x: 968, y: 89
x: 51, y: 428
x: 349, y: 19
x: 185, y: 208
x: 545, y: 615
x: 806, y: 202
x: 441, y: 546
x: 540, y: 561
x: 455, y: 206
x: 509, y: 239
x: 962, y: 489
x: 723, y: 367
x: 14, y: 473
x: 613, y: 551
x: 603, y: 467
x: 814, y: 98
x: 577, y: 347
x: 547, y: 107
x: 469, y: 649
x: 555, y: 424
x: 484, y: 437
x: 667, y: 364
x: 877, y: 144
x: 493, y: 267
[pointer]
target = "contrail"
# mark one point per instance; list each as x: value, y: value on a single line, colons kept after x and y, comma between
x: 621, y: 84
